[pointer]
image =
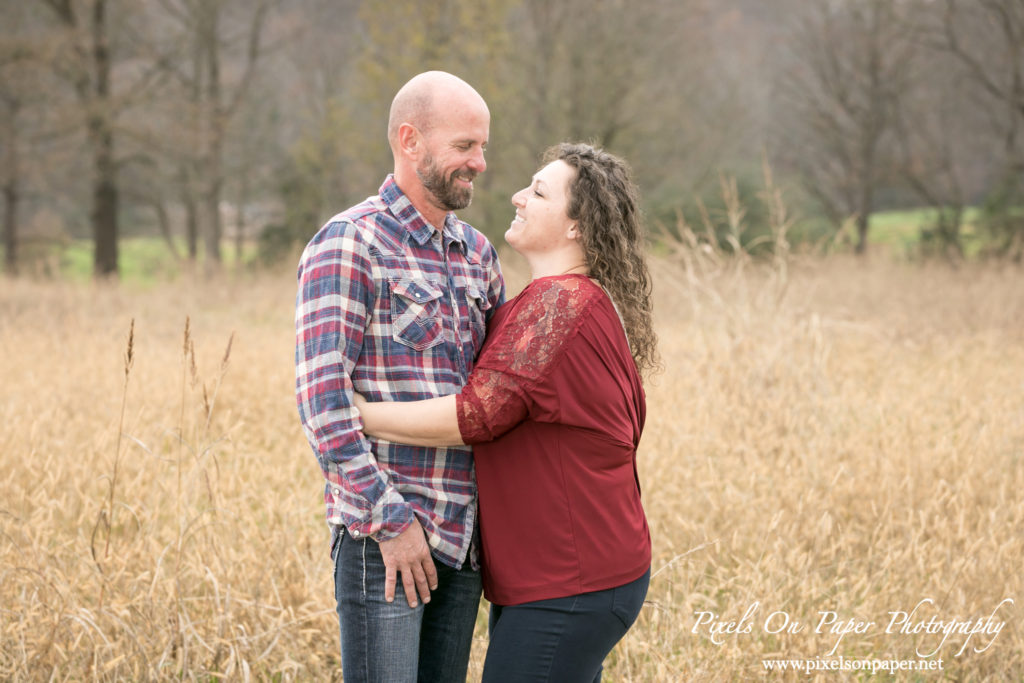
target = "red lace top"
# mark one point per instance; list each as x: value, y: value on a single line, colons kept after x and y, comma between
x: 555, y: 408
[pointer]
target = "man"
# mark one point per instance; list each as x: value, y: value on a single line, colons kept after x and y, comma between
x: 394, y: 296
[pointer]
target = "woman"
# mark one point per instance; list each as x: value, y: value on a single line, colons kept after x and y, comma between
x: 555, y: 408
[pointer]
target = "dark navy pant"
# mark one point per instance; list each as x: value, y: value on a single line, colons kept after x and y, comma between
x: 562, y: 639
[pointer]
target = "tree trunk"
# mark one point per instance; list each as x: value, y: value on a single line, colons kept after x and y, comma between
x: 872, y: 127
x: 190, y: 169
x: 11, y: 192
x: 214, y: 227
x: 164, y: 222
x: 867, y: 184
x: 104, y: 211
x: 213, y: 180
x: 243, y: 199
x: 950, y: 223
x: 863, y: 222
x: 101, y: 136
x: 11, y: 225
x: 191, y: 228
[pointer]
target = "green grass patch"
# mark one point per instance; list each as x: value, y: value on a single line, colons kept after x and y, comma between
x: 142, y: 260
x: 901, y: 231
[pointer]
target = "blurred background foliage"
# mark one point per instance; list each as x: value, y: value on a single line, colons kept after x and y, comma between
x: 223, y: 133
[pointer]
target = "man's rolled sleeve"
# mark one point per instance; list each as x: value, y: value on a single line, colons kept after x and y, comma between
x: 335, y: 295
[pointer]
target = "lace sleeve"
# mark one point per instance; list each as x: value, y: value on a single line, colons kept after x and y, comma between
x: 519, y: 353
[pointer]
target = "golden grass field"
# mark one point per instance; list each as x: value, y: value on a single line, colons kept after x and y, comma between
x: 841, y: 437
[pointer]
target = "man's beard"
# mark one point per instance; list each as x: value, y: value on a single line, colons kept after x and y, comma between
x: 449, y: 196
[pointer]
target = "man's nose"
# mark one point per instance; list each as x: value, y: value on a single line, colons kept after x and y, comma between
x: 478, y: 163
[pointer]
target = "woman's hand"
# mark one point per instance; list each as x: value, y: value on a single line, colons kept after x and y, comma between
x: 365, y: 412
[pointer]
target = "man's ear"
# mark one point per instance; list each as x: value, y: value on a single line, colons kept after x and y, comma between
x: 409, y: 140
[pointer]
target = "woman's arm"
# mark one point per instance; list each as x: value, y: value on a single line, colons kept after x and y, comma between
x: 431, y: 422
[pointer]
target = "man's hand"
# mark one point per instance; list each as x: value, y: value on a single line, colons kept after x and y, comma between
x: 408, y: 554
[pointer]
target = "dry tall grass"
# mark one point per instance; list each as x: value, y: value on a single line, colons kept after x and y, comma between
x: 839, y: 436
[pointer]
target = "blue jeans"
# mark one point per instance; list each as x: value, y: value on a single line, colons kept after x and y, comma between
x: 391, y: 642
x: 562, y: 639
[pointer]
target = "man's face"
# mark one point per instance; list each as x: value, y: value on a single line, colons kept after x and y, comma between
x: 452, y: 190
x: 454, y: 156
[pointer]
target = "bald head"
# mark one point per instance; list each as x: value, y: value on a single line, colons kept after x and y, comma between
x: 426, y: 98
x: 438, y: 131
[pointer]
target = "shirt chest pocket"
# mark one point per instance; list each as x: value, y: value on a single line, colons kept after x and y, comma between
x: 416, y: 313
x: 479, y: 306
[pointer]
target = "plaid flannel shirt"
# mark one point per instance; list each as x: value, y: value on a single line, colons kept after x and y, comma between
x: 392, y: 308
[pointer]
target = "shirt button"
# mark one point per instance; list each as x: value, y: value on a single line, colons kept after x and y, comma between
x: 337, y: 492
x: 355, y: 534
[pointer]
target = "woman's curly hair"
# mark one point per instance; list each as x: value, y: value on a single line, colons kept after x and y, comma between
x: 603, y: 200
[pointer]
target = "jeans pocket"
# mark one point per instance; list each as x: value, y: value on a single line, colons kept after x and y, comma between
x: 415, y: 313
x: 336, y: 559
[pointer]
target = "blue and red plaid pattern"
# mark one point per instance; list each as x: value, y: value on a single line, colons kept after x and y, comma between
x: 396, y: 310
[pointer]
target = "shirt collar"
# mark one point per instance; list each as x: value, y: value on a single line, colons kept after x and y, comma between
x: 413, y: 221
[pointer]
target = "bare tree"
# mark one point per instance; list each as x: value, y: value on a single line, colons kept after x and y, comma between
x: 638, y: 78
x: 929, y: 163
x: 970, y: 29
x: 936, y: 138
x: 88, y: 66
x: 851, y: 62
x: 986, y: 38
x: 35, y: 123
x: 16, y: 58
x: 215, y: 82
x: 11, y: 181
x: 94, y: 41
x: 582, y: 59
x: 608, y: 71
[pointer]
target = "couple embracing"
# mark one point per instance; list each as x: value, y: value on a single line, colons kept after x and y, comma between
x: 470, y: 443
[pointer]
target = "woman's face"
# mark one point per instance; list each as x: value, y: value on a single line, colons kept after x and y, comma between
x: 542, y: 222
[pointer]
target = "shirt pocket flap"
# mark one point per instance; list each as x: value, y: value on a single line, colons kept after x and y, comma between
x: 420, y: 291
x: 479, y: 297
